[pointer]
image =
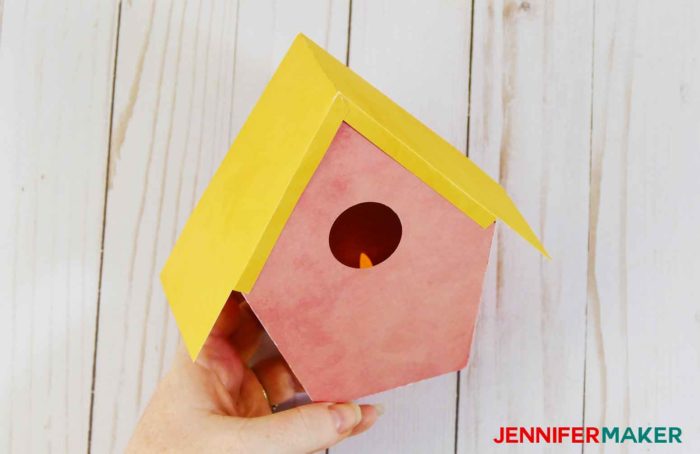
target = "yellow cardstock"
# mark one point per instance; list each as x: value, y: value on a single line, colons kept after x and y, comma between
x: 233, y: 228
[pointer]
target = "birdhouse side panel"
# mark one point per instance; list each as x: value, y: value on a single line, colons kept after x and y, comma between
x: 404, y: 310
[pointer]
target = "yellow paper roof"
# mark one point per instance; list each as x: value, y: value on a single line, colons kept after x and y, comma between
x: 231, y: 232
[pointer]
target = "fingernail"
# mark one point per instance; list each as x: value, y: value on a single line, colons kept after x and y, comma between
x: 345, y: 416
x: 379, y: 408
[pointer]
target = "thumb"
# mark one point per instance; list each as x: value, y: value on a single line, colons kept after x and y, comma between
x: 303, y: 429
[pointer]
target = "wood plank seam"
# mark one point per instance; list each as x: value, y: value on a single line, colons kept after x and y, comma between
x: 104, y: 223
x: 590, y: 211
x: 466, y: 152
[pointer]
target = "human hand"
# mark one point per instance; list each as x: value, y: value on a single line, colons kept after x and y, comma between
x: 219, y: 404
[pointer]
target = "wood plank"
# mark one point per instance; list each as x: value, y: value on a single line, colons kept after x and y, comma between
x: 266, y: 34
x: 418, y: 56
x: 187, y: 76
x: 55, y: 85
x: 529, y: 128
x: 642, y: 364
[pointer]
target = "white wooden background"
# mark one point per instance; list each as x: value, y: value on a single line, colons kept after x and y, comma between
x: 114, y: 114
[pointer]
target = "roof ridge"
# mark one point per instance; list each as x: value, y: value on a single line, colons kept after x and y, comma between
x: 313, y: 49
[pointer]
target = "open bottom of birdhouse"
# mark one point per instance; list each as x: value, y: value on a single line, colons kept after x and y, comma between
x: 375, y: 279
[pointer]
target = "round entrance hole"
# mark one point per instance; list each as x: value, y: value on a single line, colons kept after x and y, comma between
x: 365, y: 235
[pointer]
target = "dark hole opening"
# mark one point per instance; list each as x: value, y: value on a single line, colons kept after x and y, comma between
x: 365, y: 235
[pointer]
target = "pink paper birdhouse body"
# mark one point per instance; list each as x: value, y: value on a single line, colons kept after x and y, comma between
x: 375, y: 279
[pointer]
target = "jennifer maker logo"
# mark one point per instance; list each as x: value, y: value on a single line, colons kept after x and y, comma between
x: 565, y: 434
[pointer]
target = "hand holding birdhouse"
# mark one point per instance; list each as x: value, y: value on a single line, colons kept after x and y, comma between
x: 218, y: 404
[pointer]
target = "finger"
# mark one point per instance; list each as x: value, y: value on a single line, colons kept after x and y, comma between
x: 278, y: 380
x: 370, y: 414
x: 229, y: 317
x: 308, y: 428
x: 218, y: 355
x: 220, y: 358
x: 211, y: 383
x: 248, y: 333
x: 253, y: 400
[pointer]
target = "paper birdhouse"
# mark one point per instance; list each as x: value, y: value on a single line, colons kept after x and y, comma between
x: 357, y: 235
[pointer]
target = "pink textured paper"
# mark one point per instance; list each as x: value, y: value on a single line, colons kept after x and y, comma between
x: 350, y: 332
